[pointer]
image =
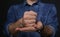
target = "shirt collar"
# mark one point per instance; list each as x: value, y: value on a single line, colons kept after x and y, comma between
x: 25, y: 3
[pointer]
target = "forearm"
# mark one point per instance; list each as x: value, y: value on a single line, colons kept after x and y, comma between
x: 13, y: 26
x: 48, y: 31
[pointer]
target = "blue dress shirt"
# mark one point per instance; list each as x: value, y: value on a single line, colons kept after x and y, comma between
x: 46, y: 14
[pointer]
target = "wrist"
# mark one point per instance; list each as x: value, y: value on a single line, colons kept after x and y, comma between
x: 19, y: 21
x: 38, y: 29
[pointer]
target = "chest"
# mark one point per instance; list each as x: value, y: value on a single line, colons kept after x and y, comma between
x: 40, y: 10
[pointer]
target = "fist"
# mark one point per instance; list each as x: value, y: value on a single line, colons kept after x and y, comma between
x: 29, y: 18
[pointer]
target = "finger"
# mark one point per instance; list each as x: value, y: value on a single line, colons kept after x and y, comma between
x: 17, y: 28
x: 29, y: 17
x: 27, y: 29
x: 21, y: 29
x: 33, y: 13
x: 26, y: 12
x: 26, y: 16
x: 29, y: 24
x: 30, y: 13
x: 29, y: 21
x: 35, y: 25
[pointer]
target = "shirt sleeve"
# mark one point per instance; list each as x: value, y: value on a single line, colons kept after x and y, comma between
x: 52, y: 20
x: 10, y: 19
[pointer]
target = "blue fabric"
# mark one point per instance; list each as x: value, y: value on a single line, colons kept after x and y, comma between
x: 46, y: 14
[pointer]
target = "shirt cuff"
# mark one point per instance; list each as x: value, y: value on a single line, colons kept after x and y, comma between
x: 7, y: 29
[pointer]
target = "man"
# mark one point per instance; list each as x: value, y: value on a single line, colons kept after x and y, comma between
x: 43, y: 15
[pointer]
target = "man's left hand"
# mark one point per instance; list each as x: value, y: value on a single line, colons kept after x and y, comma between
x: 33, y: 28
x: 26, y: 29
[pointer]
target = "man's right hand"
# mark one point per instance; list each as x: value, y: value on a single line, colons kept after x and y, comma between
x: 13, y: 26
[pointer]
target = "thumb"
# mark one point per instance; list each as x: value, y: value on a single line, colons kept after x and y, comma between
x: 17, y: 29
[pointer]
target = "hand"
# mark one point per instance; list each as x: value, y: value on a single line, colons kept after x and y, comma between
x: 30, y: 15
x: 13, y: 26
x: 29, y: 18
x: 39, y: 25
x: 26, y: 29
x: 33, y: 28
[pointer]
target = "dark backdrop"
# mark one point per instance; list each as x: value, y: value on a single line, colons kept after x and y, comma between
x: 5, y: 4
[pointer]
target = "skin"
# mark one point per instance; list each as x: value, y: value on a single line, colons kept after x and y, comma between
x: 29, y: 18
x: 31, y: 2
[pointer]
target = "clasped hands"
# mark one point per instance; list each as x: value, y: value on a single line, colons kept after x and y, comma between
x: 29, y: 20
x: 29, y: 23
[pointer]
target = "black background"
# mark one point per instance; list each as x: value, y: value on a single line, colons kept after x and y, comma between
x: 5, y: 4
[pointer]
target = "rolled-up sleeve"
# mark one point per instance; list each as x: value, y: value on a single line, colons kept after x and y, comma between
x: 10, y: 19
x: 52, y: 19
